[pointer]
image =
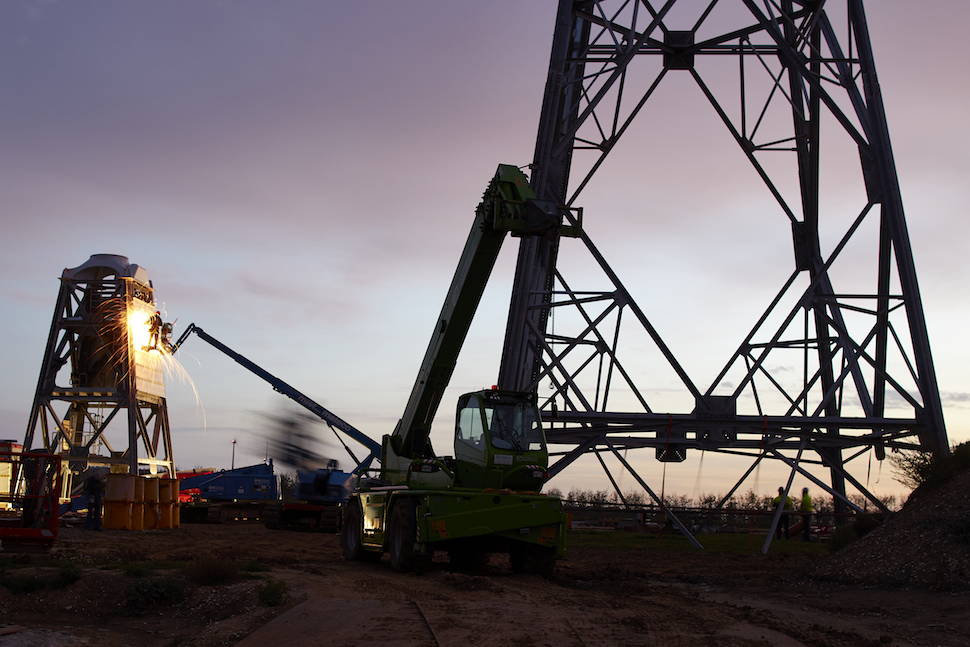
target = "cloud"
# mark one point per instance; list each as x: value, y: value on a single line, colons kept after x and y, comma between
x: 955, y: 398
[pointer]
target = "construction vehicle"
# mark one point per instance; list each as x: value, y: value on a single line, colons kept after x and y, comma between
x: 255, y: 493
x: 318, y: 492
x: 238, y: 494
x: 486, y: 498
x: 30, y: 513
x: 313, y: 502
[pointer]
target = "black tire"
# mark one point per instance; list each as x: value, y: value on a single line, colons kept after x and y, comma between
x: 351, y: 535
x: 519, y: 560
x: 401, y: 537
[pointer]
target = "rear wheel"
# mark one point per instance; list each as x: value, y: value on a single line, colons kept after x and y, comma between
x: 351, y: 535
x: 402, y: 535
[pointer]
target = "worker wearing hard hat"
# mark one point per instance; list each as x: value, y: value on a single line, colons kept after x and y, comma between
x: 154, y: 330
x: 806, y: 508
x: 787, y: 508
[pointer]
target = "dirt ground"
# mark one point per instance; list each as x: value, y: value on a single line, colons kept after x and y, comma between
x: 615, y: 588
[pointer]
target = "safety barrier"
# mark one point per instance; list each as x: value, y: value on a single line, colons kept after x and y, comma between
x: 140, y: 502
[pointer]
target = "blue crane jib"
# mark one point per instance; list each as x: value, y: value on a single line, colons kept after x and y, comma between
x: 334, y: 421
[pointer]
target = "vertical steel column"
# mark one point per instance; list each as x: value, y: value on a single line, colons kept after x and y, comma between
x: 536, y: 265
x: 131, y: 389
x: 894, y: 218
x: 805, y: 118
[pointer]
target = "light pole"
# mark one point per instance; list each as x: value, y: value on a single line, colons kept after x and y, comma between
x: 233, y: 466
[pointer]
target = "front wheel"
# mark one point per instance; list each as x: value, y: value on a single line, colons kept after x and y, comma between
x: 351, y: 534
x: 402, y: 535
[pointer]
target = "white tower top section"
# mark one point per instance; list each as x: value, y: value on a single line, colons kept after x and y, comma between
x: 101, y: 266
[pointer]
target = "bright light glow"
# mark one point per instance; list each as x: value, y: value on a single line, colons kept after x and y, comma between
x: 139, y: 326
x: 139, y: 322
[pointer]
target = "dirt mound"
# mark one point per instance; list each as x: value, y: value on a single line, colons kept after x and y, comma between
x: 926, y: 544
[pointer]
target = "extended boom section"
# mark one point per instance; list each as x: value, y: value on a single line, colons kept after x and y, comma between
x: 333, y: 420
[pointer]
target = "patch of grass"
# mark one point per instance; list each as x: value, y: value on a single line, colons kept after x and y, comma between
x: 271, y: 593
x: 210, y: 571
x: 723, y: 543
x: 137, y: 569
x: 22, y: 583
x: 66, y: 575
x: 130, y: 554
x: 145, y: 594
x: 254, y: 566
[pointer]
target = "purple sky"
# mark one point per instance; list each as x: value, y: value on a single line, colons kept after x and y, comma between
x: 299, y: 178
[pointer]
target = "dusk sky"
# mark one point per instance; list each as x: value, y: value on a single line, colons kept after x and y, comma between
x: 299, y: 178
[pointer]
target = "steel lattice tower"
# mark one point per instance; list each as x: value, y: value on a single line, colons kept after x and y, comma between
x: 862, y: 354
x: 100, y: 397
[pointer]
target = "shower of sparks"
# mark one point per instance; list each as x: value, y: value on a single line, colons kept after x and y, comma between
x: 175, y: 370
x: 123, y: 324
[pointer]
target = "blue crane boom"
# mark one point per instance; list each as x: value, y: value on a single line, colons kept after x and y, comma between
x: 333, y: 420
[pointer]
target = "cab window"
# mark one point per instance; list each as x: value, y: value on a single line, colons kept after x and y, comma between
x: 470, y: 428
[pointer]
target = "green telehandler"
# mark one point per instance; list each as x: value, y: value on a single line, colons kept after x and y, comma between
x: 486, y: 498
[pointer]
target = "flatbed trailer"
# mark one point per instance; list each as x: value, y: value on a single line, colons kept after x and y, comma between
x: 301, y: 515
x: 222, y: 511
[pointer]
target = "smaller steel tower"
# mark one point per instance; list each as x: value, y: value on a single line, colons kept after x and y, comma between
x: 103, y: 373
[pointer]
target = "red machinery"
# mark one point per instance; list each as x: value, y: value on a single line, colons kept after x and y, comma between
x: 191, y: 494
x: 30, y: 523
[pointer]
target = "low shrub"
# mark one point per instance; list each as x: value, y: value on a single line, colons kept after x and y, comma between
x: 917, y: 469
x: 66, y: 575
x: 145, y: 594
x: 136, y: 569
x: 20, y: 583
x: 271, y: 593
x: 254, y: 566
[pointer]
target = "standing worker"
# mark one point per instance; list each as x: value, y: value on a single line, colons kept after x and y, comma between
x: 788, y: 507
x: 154, y: 330
x: 94, y: 490
x: 806, y: 508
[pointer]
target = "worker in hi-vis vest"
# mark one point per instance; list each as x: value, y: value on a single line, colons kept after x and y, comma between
x: 806, y: 508
x: 787, y: 508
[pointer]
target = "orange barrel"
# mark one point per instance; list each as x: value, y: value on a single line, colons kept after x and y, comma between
x: 150, y: 512
x: 176, y: 505
x: 117, y: 515
x: 165, y: 502
x: 165, y: 515
x: 164, y: 490
x: 138, y: 507
x: 120, y: 487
